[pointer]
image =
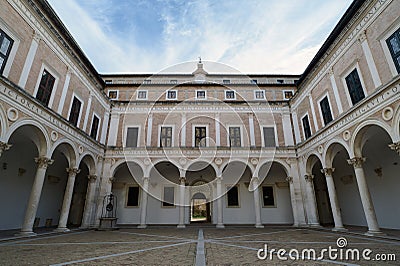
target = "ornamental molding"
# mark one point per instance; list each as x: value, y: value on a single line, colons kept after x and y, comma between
x: 328, y: 172
x: 356, y: 162
x: 43, y: 162
x: 73, y: 171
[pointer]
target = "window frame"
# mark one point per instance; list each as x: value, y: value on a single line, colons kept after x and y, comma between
x: 142, y: 99
x: 75, y: 95
x: 302, y: 126
x: 171, y: 99
x: 259, y: 99
x: 325, y: 95
x: 230, y: 99
x: 229, y: 136
x: 113, y: 99
x: 201, y: 99
x: 56, y: 77
x: 347, y: 92
x: 284, y: 96
x: 13, y: 51
x: 274, y: 195
x: 98, y: 127
x: 194, y: 135
x: 172, y: 137
x: 262, y: 135
x: 163, y: 197
x: 227, y: 188
x: 126, y: 135
x: 382, y: 39
x: 127, y: 195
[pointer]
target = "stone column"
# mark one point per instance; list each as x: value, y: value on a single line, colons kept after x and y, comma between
x: 69, y: 189
x: 256, y: 193
x: 183, y: 130
x: 370, y: 59
x: 220, y: 222
x: 33, y: 203
x: 89, y: 201
x: 394, y: 146
x: 337, y: 216
x: 217, y: 130
x: 252, y: 135
x: 149, y: 130
x: 182, y: 188
x: 289, y: 179
x: 4, y: 147
x: 29, y: 60
x: 143, y: 209
x: 312, y: 205
x: 368, y: 206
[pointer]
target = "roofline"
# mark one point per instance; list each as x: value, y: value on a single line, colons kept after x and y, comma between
x: 127, y: 75
x: 340, y: 26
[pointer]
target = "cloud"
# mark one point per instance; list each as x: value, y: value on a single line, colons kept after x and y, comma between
x: 252, y: 36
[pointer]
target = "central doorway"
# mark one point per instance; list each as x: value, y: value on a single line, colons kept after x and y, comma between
x: 200, y: 211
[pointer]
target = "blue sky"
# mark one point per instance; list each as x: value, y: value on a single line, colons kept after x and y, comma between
x: 252, y: 36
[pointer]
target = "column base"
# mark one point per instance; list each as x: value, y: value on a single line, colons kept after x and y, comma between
x: 61, y: 230
x: 339, y: 229
x: 374, y: 233
x: 315, y: 225
x: 142, y: 226
x: 181, y: 226
x: 220, y: 226
x: 25, y: 233
x: 259, y: 226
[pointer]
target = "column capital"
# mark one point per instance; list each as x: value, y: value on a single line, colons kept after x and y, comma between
x: 330, y: 71
x: 363, y: 36
x: 4, y: 147
x: 73, y: 171
x: 111, y: 179
x: 145, y: 179
x: 43, y: 162
x: 309, y: 178
x: 289, y: 179
x: 396, y: 147
x: 356, y: 162
x: 219, y: 178
x: 37, y: 36
x: 92, y: 178
x: 327, y: 171
x: 182, y: 180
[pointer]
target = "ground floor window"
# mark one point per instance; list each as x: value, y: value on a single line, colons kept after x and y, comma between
x: 133, y: 196
x: 268, y: 196
x: 233, y: 196
x: 169, y: 197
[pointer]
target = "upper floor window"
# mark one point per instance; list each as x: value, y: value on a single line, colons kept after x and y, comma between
x: 234, y: 137
x: 280, y: 81
x: 142, y: 95
x: 173, y: 81
x: 233, y: 196
x: 5, y: 48
x: 269, y: 137
x: 132, y: 137
x: 254, y: 81
x: 75, y: 111
x: 166, y: 137
x: 326, y: 110
x: 259, y: 95
x: 200, y: 136
x: 268, y: 196
x: 113, y: 94
x: 230, y: 95
x: 172, y: 95
x: 394, y: 47
x: 306, y: 126
x: 132, y: 199
x: 146, y: 81
x: 226, y: 81
x: 287, y: 95
x: 108, y: 81
x: 168, y: 197
x: 201, y: 95
x: 95, y: 127
x: 354, y: 86
x: 45, y: 87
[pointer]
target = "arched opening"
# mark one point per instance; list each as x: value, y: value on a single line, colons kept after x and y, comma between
x: 381, y: 169
x: 17, y: 174
x: 126, y: 187
x: 79, y: 196
x: 199, y: 208
x: 276, y: 206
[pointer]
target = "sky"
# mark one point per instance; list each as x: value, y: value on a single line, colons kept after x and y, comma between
x: 251, y: 36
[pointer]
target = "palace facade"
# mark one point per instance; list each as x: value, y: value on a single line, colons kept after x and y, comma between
x: 175, y: 148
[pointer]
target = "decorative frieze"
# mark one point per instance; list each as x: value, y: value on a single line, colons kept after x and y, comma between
x: 356, y: 162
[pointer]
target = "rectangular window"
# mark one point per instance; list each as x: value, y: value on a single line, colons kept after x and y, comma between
x: 268, y: 196
x: 254, y: 81
x: 166, y: 137
x: 287, y: 95
x: 169, y: 197
x: 108, y: 81
x: 132, y: 136
x: 201, y: 95
x: 230, y: 95
x: 326, y: 110
x: 259, y: 95
x: 172, y: 95
x: 142, y: 95
x: 113, y: 95
x: 173, y: 81
x: 95, y: 127
x: 306, y: 127
x: 147, y: 81
x: 354, y: 86
x: 5, y: 48
x: 200, y: 136
x: 269, y: 137
x: 394, y: 46
x: 233, y: 196
x: 75, y: 111
x: 45, y: 88
x: 234, y: 137
x: 226, y: 81
x: 133, y: 197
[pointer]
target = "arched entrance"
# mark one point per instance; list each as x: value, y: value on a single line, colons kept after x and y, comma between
x: 200, y: 208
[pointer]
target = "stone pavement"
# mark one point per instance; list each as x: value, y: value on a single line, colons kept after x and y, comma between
x: 191, y: 246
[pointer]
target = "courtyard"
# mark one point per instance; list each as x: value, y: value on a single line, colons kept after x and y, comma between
x: 194, y: 245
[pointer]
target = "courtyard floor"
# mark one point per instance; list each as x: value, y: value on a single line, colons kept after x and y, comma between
x: 193, y: 246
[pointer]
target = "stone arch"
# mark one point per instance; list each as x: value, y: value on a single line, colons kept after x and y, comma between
x: 212, y: 164
x: 331, y: 149
x: 3, y: 124
x: 90, y: 162
x: 282, y: 163
x: 39, y: 137
x: 357, y: 140
x: 311, y: 160
x: 396, y: 125
x: 68, y: 149
x: 120, y: 163
x: 244, y: 161
x: 158, y: 161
